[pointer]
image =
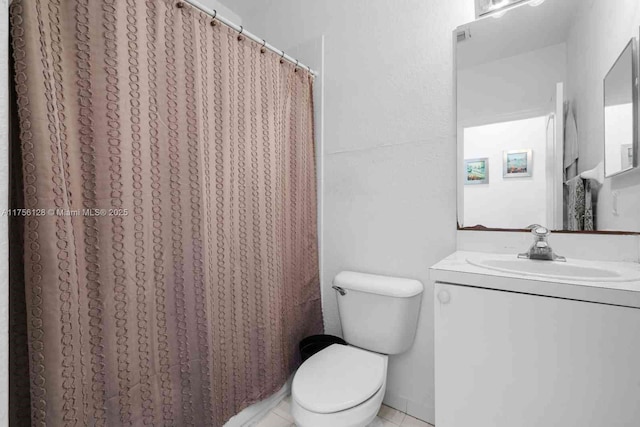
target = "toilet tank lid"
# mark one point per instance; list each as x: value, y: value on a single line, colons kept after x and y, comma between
x: 381, y: 285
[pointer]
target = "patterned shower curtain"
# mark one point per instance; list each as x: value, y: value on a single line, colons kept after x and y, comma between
x: 169, y: 225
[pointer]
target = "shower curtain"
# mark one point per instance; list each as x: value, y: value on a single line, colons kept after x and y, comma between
x: 169, y: 225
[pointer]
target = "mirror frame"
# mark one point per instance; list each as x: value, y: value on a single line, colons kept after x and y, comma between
x: 633, y: 44
x: 459, y: 165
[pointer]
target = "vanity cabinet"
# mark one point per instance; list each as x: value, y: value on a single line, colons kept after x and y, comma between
x: 510, y: 359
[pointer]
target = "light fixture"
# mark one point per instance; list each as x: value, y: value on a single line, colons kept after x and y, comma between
x: 498, y: 4
x: 497, y: 8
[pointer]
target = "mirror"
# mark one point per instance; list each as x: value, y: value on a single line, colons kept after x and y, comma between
x: 494, y: 7
x: 620, y: 114
x: 531, y: 114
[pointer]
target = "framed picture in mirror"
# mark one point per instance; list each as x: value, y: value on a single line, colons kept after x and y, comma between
x: 517, y: 163
x: 476, y: 171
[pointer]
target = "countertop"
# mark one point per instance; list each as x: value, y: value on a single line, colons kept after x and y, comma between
x: 455, y: 269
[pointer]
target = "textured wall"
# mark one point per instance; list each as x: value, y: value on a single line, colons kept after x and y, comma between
x: 389, y: 148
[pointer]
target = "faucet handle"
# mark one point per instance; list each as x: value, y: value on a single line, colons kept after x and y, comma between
x: 541, y: 232
x: 540, y: 250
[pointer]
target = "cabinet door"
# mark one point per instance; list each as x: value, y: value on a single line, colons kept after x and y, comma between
x: 505, y: 359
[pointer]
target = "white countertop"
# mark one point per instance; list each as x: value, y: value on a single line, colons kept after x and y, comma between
x: 455, y: 269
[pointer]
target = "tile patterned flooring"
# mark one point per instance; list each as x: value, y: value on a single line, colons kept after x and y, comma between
x: 280, y: 416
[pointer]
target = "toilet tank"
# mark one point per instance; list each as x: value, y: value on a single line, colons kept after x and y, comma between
x: 378, y: 313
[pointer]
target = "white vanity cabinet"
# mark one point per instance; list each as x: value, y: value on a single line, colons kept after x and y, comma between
x: 504, y: 358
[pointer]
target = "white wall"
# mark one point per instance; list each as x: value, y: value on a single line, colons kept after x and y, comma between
x: 601, y: 31
x: 389, y: 155
x: 507, y: 202
x: 519, y: 86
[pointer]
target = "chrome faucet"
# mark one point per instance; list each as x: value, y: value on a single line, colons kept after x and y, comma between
x: 540, y: 250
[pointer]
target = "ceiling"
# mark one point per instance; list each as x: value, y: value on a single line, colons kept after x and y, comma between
x: 521, y: 29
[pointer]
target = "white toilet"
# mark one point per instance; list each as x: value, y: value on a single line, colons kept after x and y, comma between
x: 343, y: 386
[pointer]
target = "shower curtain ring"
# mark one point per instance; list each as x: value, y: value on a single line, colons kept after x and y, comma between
x: 296, y: 69
x: 282, y: 58
x: 213, y: 19
x: 180, y: 5
x: 240, y: 35
x: 263, y: 49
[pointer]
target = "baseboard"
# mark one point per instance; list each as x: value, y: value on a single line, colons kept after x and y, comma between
x: 254, y: 413
x: 419, y: 410
x: 395, y: 401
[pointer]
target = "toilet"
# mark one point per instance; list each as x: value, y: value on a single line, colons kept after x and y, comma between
x: 343, y: 385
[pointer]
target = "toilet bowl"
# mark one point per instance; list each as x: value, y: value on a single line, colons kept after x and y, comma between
x: 341, y: 386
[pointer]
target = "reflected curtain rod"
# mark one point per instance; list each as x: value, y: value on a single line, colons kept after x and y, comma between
x: 215, y: 15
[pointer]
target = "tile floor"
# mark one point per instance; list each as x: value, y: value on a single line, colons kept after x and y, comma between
x: 280, y: 416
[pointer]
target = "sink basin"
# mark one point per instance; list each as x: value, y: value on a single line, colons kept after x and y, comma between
x: 570, y: 270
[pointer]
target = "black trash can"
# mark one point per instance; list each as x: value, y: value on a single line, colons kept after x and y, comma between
x: 313, y: 344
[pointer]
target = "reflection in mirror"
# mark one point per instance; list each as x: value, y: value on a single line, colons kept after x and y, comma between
x: 620, y: 113
x: 496, y: 8
x: 530, y: 104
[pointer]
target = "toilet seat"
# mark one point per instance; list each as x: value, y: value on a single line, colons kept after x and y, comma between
x: 338, y: 378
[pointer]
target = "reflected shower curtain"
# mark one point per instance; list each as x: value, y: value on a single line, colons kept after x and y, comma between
x: 169, y: 236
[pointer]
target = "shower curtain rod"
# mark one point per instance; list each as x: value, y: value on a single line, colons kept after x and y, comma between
x: 240, y: 29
